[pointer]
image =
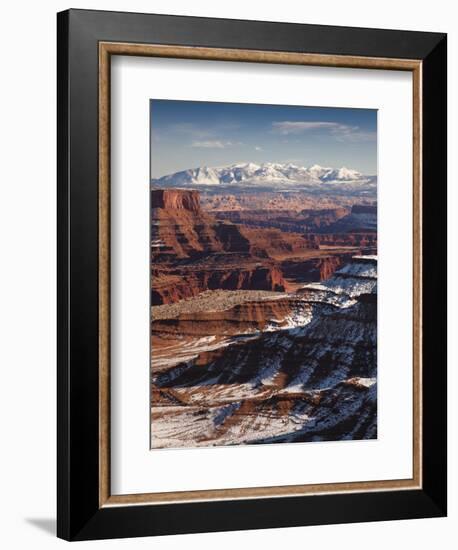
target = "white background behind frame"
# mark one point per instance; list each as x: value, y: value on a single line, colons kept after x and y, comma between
x: 135, y: 468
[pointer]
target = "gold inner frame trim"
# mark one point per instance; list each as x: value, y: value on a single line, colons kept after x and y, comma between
x: 106, y: 50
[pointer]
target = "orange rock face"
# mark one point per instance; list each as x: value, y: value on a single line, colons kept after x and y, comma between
x: 246, y: 317
x: 172, y: 199
x: 314, y: 269
x: 192, y: 251
x: 170, y: 284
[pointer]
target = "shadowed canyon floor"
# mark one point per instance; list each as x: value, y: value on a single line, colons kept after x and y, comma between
x: 263, y: 326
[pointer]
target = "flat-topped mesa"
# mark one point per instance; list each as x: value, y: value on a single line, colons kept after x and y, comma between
x: 176, y: 199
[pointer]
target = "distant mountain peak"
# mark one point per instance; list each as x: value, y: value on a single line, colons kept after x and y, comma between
x: 273, y: 175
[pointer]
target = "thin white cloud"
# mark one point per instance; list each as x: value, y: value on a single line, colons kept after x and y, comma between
x: 258, y: 148
x: 342, y: 132
x: 215, y: 144
x: 211, y: 144
x: 286, y: 127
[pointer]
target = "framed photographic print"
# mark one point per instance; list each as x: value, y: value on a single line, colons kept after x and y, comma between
x: 252, y: 269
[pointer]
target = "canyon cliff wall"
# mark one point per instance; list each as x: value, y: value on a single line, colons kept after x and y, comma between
x: 192, y: 251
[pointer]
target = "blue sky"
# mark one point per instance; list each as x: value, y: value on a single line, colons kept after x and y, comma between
x: 187, y: 134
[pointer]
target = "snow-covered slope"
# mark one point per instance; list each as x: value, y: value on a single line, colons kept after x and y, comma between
x: 315, y: 380
x: 269, y: 174
x: 353, y: 279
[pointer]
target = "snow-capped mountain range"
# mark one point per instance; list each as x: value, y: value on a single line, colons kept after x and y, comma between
x: 273, y: 175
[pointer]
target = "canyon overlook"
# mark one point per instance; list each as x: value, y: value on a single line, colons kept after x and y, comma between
x: 263, y: 319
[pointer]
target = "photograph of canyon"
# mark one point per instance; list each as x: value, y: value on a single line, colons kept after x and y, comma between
x: 263, y: 274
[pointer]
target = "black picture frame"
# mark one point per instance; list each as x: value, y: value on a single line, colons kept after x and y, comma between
x: 80, y: 516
